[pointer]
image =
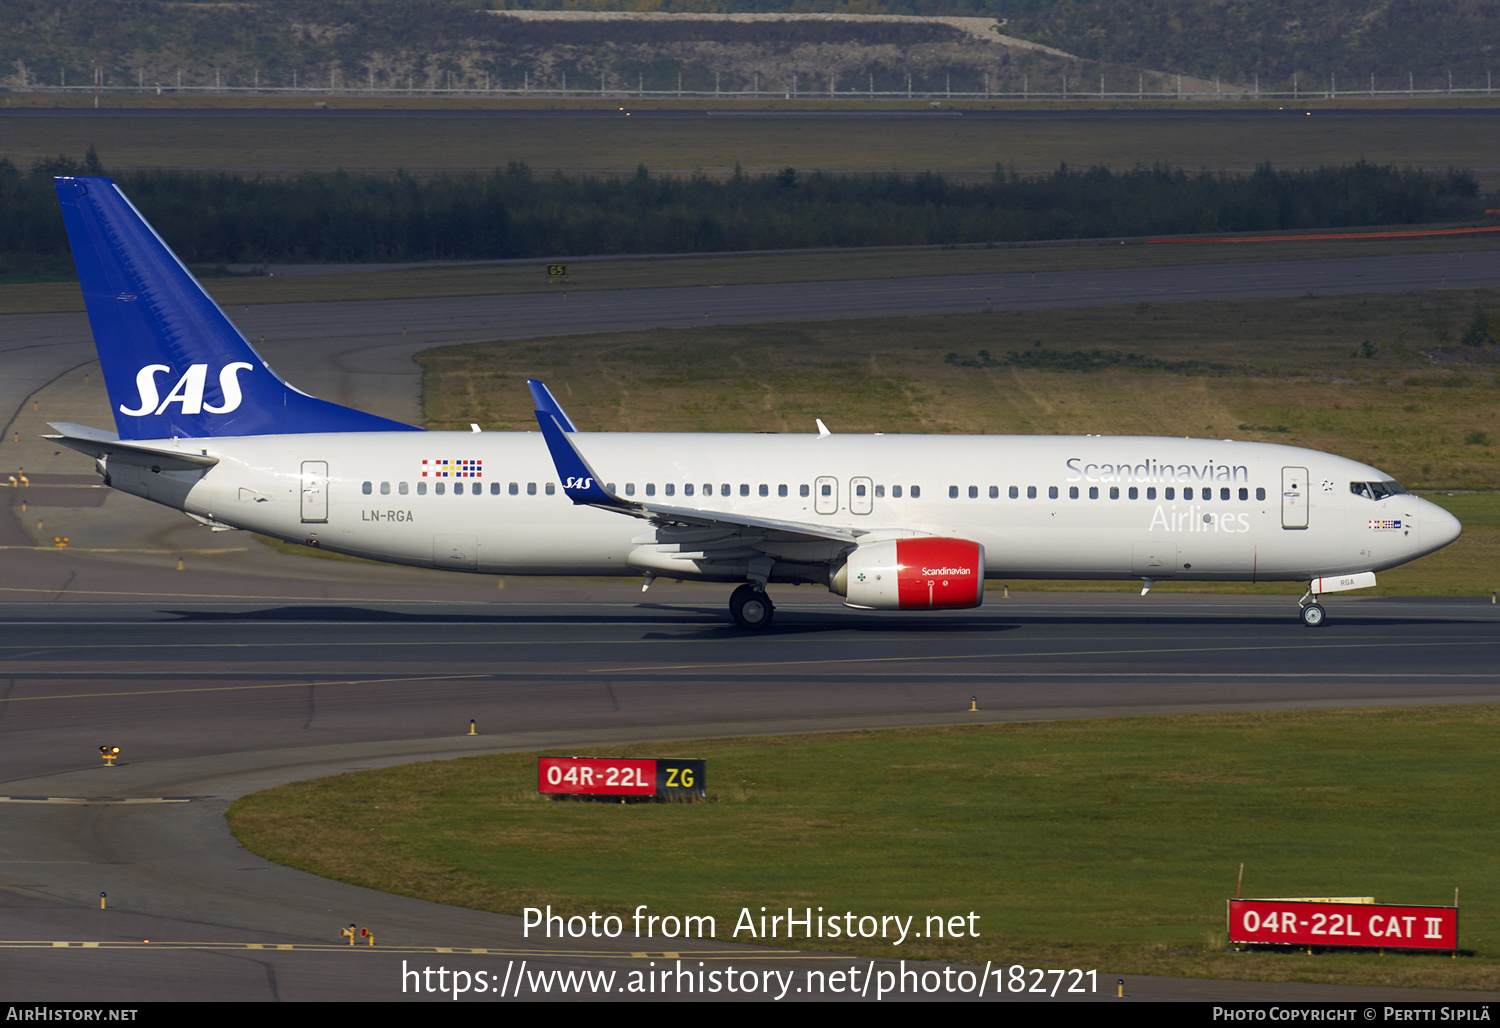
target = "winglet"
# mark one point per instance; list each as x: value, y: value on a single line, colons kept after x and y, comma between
x: 545, y: 401
x: 579, y: 482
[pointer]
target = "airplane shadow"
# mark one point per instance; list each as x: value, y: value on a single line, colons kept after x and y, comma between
x: 712, y: 621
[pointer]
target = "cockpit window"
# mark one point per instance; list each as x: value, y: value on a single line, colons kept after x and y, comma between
x: 1376, y: 490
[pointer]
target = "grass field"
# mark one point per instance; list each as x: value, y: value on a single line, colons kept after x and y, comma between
x: 1109, y: 844
x: 1280, y: 371
x: 1289, y: 371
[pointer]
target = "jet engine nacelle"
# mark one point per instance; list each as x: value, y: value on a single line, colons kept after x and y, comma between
x: 924, y: 573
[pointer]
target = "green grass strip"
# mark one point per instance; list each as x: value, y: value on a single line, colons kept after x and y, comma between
x: 1110, y: 844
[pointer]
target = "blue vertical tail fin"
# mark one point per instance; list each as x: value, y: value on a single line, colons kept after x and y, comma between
x: 174, y: 365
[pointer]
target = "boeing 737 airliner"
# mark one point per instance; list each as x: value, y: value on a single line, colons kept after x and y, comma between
x: 888, y: 522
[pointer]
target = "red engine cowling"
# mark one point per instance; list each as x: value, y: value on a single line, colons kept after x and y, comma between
x: 925, y: 573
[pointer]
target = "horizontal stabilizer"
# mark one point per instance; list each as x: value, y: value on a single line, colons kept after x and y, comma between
x: 98, y: 443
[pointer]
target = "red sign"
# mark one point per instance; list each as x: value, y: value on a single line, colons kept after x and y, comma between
x: 597, y: 776
x: 1303, y: 923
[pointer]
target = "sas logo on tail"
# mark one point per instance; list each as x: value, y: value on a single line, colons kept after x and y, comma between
x: 188, y: 391
x: 579, y: 483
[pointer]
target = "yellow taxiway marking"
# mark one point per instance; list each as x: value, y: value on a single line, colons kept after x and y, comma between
x: 118, y: 549
x: 243, y: 688
x: 487, y: 675
x: 1014, y: 656
x: 91, y: 800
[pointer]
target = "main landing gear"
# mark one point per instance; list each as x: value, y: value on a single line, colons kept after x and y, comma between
x: 1311, y: 611
x: 751, y: 608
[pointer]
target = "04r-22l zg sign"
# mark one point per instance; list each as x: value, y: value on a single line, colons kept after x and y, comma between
x: 621, y: 776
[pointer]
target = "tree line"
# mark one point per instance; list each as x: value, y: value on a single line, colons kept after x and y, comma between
x: 214, y: 217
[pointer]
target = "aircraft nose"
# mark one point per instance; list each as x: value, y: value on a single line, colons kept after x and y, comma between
x: 1439, y: 528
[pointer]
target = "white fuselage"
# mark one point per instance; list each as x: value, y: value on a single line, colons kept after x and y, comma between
x: 1042, y: 507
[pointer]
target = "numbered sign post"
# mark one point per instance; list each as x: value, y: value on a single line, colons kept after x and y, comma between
x: 621, y: 776
x: 1366, y: 925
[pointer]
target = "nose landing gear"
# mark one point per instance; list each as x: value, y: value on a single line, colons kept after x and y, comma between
x: 751, y: 608
x: 1310, y: 610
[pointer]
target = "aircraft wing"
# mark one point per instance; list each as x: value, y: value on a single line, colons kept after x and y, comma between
x: 582, y: 485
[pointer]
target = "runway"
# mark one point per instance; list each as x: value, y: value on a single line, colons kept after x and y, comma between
x: 188, y: 679
x: 210, y: 700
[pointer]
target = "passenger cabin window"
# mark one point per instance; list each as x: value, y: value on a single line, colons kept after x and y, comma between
x: 895, y: 492
x: 670, y: 488
x: 385, y: 488
x: 803, y: 491
x: 650, y: 488
x: 1051, y: 492
x: 1015, y: 492
x: 551, y: 488
x: 916, y: 491
x: 494, y: 488
x: 365, y: 489
x: 530, y: 488
x: 437, y: 487
x: 458, y: 488
x: 401, y: 488
x: 421, y: 488
x: 781, y: 489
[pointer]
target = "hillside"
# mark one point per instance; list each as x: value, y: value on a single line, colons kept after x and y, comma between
x: 1398, y: 41
x: 782, y: 46
x: 433, y: 44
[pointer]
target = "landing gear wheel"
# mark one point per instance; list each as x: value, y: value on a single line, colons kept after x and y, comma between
x: 751, y: 608
x: 1313, y: 615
